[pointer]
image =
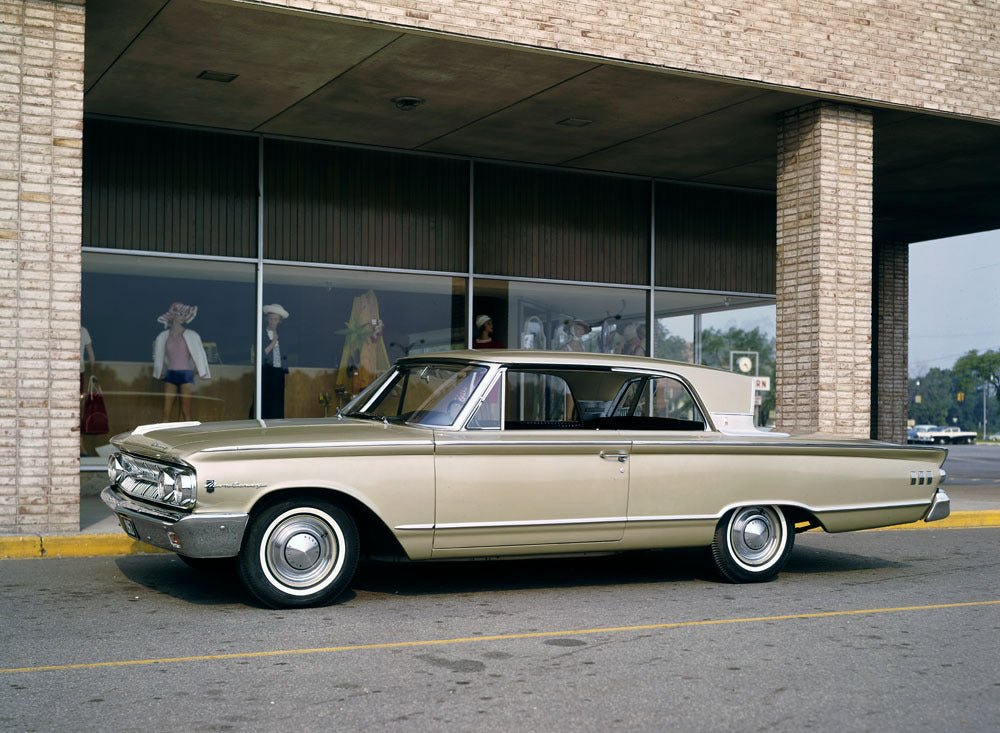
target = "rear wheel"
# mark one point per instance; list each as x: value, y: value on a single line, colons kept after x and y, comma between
x: 299, y: 553
x: 752, y: 543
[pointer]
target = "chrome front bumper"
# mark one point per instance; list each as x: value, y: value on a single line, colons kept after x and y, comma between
x: 194, y: 535
x: 940, y: 506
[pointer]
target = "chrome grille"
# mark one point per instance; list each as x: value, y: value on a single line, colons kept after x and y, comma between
x: 141, y: 477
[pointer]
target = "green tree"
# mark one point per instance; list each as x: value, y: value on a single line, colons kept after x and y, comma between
x: 717, y: 344
x: 974, y: 370
x: 670, y: 345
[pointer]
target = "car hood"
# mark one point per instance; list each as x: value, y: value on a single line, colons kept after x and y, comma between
x: 181, y: 440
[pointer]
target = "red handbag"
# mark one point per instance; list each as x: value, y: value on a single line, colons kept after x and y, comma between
x: 94, y: 415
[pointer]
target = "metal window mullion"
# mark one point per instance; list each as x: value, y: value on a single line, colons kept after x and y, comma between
x: 651, y: 295
x: 472, y: 241
x: 258, y: 317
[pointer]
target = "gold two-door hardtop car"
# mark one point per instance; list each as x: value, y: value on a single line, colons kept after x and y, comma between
x: 472, y: 454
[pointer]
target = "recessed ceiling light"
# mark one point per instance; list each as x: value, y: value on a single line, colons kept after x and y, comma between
x: 407, y: 103
x: 217, y: 76
x: 574, y: 122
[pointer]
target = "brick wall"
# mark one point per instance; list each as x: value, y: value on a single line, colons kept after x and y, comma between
x: 41, y: 113
x: 933, y: 54
x: 824, y: 270
x: 892, y: 261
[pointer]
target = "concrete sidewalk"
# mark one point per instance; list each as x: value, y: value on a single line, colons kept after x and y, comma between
x: 971, y: 506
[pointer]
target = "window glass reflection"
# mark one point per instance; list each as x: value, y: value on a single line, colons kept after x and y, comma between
x: 535, y: 316
x: 731, y: 332
x: 345, y: 327
x: 743, y: 340
x: 166, y: 339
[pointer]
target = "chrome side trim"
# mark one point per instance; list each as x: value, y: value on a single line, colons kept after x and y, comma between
x: 779, y: 444
x: 662, y: 517
x: 530, y: 523
x: 331, y: 444
x: 596, y: 443
x: 816, y: 510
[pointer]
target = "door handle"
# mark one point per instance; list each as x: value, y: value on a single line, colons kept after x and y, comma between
x: 619, y: 456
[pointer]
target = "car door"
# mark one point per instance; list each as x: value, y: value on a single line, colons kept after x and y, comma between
x: 674, y: 486
x: 538, y: 478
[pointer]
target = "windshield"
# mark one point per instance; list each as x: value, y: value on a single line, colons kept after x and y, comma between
x: 426, y: 394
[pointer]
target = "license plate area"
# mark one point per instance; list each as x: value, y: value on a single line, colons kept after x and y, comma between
x: 128, y: 526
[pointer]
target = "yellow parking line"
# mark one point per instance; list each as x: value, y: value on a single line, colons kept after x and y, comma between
x: 955, y: 520
x: 497, y: 637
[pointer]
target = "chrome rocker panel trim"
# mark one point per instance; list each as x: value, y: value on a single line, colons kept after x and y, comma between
x: 193, y: 535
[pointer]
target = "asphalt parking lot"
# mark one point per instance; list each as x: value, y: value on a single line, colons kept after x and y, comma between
x: 891, y: 630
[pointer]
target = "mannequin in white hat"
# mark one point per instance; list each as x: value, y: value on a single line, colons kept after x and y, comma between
x: 178, y: 354
x: 484, y: 334
x: 272, y: 384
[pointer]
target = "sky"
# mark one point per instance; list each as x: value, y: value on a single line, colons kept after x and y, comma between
x: 954, y: 299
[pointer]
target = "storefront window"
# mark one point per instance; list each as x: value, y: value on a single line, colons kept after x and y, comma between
x: 731, y: 332
x: 151, y: 370
x: 742, y: 340
x: 336, y: 330
x: 525, y: 315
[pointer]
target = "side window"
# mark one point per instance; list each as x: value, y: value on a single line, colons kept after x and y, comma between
x: 487, y: 415
x: 667, y: 398
x: 539, y: 400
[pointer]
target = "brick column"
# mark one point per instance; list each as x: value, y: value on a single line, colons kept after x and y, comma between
x: 41, y: 131
x: 891, y: 323
x: 824, y: 270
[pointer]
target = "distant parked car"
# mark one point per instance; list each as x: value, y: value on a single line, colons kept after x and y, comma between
x: 949, y: 434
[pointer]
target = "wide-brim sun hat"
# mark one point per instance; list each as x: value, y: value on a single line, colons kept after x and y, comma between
x: 186, y: 312
x: 276, y: 309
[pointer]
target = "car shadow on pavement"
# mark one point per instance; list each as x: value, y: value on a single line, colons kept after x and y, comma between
x: 220, y: 585
x: 469, y: 576
x: 169, y: 575
x: 814, y: 561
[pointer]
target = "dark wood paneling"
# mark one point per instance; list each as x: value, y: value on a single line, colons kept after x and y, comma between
x: 364, y: 207
x: 561, y: 225
x: 715, y: 239
x: 164, y: 189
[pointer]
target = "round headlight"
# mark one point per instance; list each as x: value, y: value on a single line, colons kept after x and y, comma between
x: 115, y: 469
x: 165, y: 486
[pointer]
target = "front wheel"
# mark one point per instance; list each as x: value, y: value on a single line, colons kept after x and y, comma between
x: 752, y: 543
x: 299, y: 553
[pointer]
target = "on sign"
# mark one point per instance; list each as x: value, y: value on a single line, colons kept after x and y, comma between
x: 761, y: 384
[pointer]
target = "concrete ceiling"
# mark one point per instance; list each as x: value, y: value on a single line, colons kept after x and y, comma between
x: 308, y: 76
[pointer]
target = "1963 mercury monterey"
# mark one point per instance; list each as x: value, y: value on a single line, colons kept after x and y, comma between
x: 473, y: 454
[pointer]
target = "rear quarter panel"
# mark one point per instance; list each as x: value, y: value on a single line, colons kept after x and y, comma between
x: 847, y: 486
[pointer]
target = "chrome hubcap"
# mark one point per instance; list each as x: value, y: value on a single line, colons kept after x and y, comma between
x: 755, y: 535
x: 301, y: 550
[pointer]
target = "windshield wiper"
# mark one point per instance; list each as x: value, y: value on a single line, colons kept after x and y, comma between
x: 367, y: 416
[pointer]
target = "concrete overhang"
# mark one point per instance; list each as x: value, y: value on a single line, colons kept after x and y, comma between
x: 311, y: 76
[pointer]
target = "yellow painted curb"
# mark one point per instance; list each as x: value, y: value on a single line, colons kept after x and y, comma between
x: 69, y: 545
x: 957, y: 520
x: 88, y: 545
x: 18, y: 547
